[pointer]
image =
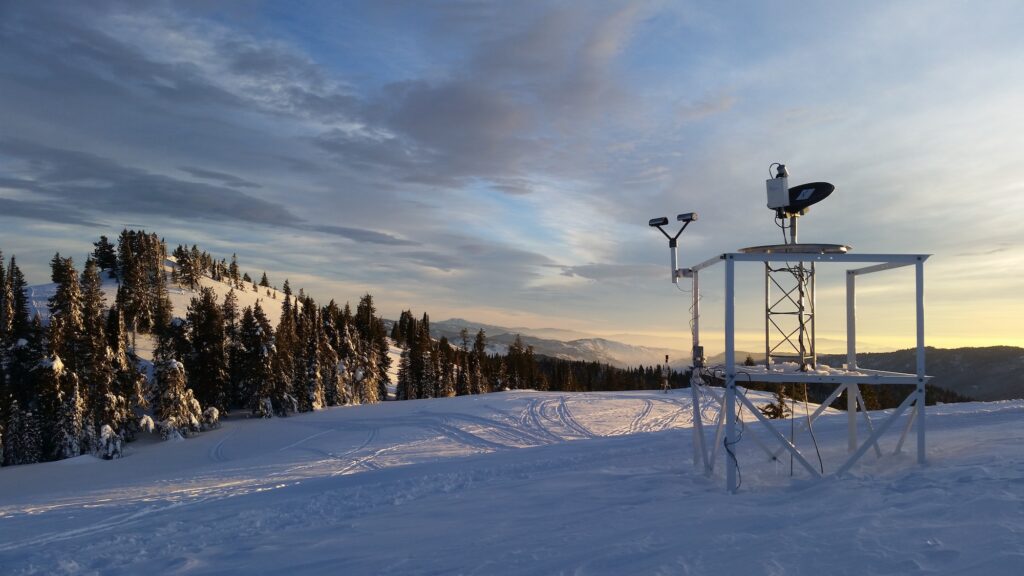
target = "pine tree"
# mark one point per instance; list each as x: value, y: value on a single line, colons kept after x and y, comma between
x: 160, y: 300
x: 66, y: 312
x: 96, y: 373
x: 176, y: 408
x: 233, y: 272
x: 24, y: 440
x: 6, y: 312
x: 105, y: 256
x: 25, y: 355
x: 208, y: 361
x: 477, y: 360
x: 20, y: 321
x: 444, y: 369
x: 264, y: 282
x: 233, y: 347
x: 60, y: 407
x: 310, y: 376
x: 255, y: 362
x: 382, y: 363
x: 462, y: 387
x: 778, y: 409
x: 129, y: 382
x: 71, y: 431
x: 285, y: 344
x: 348, y: 359
x: 405, y: 388
x: 333, y: 383
x: 514, y: 364
x: 5, y: 340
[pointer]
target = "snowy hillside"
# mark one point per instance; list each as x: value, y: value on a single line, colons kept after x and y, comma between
x: 518, y: 483
x: 269, y: 298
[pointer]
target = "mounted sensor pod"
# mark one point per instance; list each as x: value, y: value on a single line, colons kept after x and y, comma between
x: 788, y: 202
x: 685, y: 218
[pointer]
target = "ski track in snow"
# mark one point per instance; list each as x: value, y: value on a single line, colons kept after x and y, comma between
x: 527, y: 483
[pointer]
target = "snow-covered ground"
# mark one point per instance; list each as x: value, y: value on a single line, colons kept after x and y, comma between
x: 269, y: 298
x: 519, y: 483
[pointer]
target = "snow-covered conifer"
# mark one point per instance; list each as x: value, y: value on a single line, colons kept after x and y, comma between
x: 109, y: 443
x: 105, y: 256
x: 255, y: 362
x: 24, y: 441
x: 211, y: 418
x: 66, y: 306
x: 208, y: 362
x: 176, y: 409
x: 61, y: 406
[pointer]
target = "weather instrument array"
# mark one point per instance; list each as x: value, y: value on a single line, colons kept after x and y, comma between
x: 790, y: 354
x: 673, y: 240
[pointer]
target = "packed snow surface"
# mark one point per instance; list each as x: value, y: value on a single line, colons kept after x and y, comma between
x: 521, y: 483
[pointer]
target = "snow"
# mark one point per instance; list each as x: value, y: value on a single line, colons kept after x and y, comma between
x: 795, y: 368
x: 38, y: 295
x: 520, y: 483
x: 54, y: 364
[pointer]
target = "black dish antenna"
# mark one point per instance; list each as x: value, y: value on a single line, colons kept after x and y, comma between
x: 793, y: 202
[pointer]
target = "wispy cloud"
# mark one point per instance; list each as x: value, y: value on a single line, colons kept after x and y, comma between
x: 507, y: 155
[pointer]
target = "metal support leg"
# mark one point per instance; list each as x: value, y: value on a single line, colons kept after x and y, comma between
x: 920, y: 362
x: 731, y: 479
x: 867, y: 419
x: 906, y: 430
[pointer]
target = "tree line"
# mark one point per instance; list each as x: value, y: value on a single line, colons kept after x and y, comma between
x: 432, y: 368
x: 74, y: 384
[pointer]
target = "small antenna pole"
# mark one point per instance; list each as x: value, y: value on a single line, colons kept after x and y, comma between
x: 664, y: 375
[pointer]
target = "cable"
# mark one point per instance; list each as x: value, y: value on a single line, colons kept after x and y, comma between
x: 810, y: 428
x: 781, y: 223
x: 728, y: 450
x: 792, y: 431
x: 728, y: 445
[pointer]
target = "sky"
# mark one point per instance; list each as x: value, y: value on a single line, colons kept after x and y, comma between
x: 499, y: 161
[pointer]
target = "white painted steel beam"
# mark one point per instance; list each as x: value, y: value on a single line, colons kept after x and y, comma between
x: 730, y: 374
x: 867, y: 419
x: 878, y: 268
x: 878, y: 434
x: 848, y: 257
x: 782, y: 439
x: 921, y: 380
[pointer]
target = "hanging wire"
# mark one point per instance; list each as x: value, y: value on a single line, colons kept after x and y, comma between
x: 810, y: 428
x: 792, y: 430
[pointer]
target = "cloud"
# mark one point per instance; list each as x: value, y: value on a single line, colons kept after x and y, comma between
x: 89, y: 182
x: 361, y: 235
x: 528, y: 101
x: 602, y: 272
x: 699, y: 109
x: 47, y: 211
x: 436, y: 260
x: 83, y: 182
x: 222, y: 177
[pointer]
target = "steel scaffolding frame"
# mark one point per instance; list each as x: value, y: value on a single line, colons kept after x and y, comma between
x: 847, y: 380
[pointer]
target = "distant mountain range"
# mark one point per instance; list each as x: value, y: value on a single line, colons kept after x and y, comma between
x: 987, y: 374
x: 564, y: 344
